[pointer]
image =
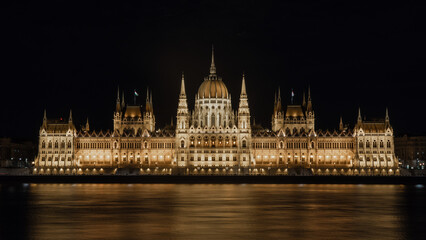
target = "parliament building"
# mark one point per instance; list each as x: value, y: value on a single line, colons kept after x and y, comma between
x: 213, y: 139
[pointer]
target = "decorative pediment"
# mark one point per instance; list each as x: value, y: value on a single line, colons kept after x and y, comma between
x: 69, y: 133
x: 145, y: 133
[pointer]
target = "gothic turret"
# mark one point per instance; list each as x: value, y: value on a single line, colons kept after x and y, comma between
x: 359, y: 120
x: 182, y: 111
x: 44, y: 119
x: 149, y: 118
x: 310, y: 115
x: 243, y: 109
x: 117, y: 102
x: 278, y: 115
x: 87, y: 128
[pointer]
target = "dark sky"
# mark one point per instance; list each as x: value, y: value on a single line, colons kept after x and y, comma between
x: 60, y: 56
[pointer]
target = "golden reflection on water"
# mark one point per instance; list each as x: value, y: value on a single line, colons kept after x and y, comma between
x: 222, y: 211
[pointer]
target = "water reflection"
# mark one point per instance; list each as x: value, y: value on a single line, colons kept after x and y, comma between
x: 169, y: 211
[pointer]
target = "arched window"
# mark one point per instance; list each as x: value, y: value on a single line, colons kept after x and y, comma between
x: 56, y: 144
x: 381, y: 144
x: 244, y: 143
x: 367, y: 144
x: 43, y: 144
x: 145, y: 144
x: 312, y: 145
x: 62, y: 144
x: 182, y: 143
x: 234, y: 141
x: 115, y: 144
x: 388, y: 144
x: 361, y: 144
x: 69, y: 144
x: 281, y: 144
x: 374, y: 144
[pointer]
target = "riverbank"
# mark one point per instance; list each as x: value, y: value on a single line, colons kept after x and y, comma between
x: 166, y: 179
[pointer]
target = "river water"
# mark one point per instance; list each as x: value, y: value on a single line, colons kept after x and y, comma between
x: 211, y: 211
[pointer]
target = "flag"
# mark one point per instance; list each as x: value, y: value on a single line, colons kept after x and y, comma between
x: 292, y: 93
x: 136, y: 93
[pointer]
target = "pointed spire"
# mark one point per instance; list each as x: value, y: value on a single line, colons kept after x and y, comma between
x: 182, y: 86
x: 118, y: 94
x: 277, y: 107
x: 150, y: 102
x: 70, y: 117
x: 309, y: 92
x: 87, y: 125
x: 123, y: 104
x: 212, y: 65
x: 243, y: 86
x: 303, y: 100
x: 117, y: 104
x: 44, y: 116
x: 359, y: 116
x: 171, y: 121
x: 147, y: 94
x: 387, y: 116
x: 275, y: 102
x: 309, y: 106
x: 279, y: 95
x: 341, y: 124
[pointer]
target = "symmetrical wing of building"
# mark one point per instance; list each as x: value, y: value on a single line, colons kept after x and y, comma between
x: 214, y: 139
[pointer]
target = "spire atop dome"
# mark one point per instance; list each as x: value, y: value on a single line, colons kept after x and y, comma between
x: 212, y: 65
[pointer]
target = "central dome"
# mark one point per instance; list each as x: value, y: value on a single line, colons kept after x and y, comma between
x: 213, y: 89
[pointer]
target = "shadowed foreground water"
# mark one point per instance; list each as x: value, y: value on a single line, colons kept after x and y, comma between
x: 228, y: 211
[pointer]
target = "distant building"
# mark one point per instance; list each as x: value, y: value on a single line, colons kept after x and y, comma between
x: 411, y: 151
x: 15, y: 153
x: 213, y: 138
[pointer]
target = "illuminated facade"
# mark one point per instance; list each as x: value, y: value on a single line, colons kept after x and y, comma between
x: 215, y: 139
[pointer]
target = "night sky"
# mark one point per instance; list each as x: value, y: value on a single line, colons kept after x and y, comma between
x: 60, y: 56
